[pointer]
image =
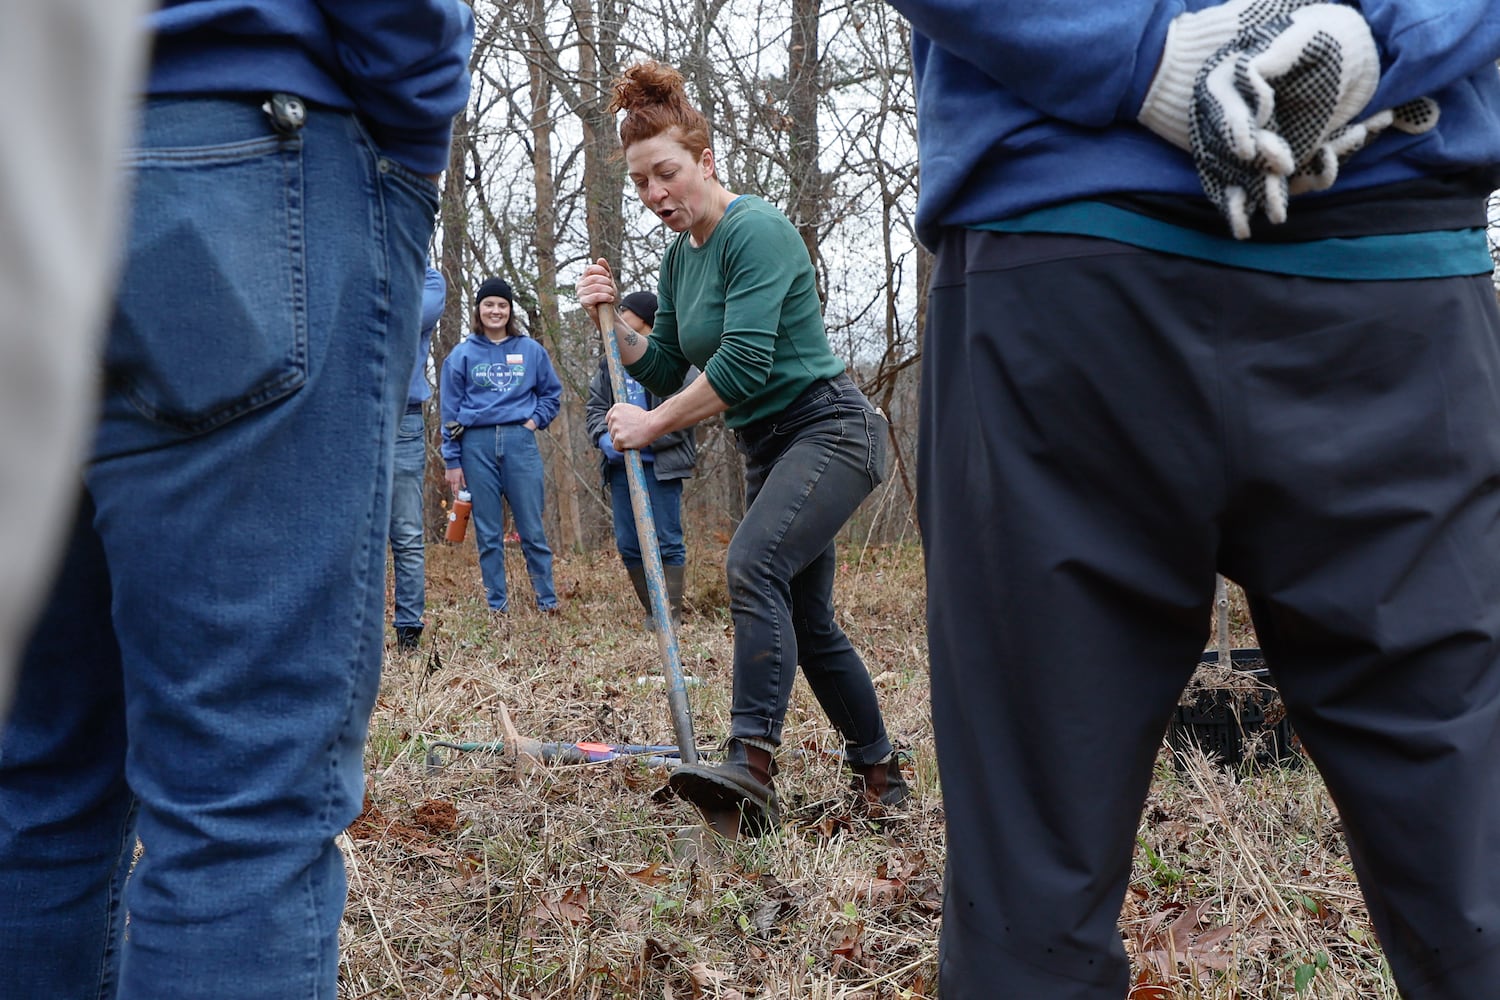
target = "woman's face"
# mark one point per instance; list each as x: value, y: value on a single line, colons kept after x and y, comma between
x: 670, y: 181
x: 494, y: 313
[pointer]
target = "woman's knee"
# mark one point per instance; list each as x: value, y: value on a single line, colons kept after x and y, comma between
x: 748, y: 568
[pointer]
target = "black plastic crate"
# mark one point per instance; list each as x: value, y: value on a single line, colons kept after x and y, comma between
x: 1224, y: 722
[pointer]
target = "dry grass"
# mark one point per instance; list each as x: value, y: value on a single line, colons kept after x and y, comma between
x: 492, y: 876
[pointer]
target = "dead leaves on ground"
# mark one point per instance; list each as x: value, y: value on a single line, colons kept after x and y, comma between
x: 694, y: 979
x: 569, y: 906
x: 770, y: 912
x: 429, y: 819
x: 1181, y: 937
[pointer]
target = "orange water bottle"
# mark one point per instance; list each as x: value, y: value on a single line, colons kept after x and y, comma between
x: 458, y: 516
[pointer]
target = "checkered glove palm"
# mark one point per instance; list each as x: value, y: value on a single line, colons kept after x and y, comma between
x: 1322, y: 169
x: 1277, y: 99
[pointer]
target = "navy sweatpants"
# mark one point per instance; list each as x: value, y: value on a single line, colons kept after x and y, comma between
x: 1104, y: 428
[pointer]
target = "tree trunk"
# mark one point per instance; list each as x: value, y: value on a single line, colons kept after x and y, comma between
x: 806, y: 205
x: 601, y: 143
x: 548, y: 321
x: 454, y: 325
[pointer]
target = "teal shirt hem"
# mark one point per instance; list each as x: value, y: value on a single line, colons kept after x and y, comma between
x: 1386, y: 257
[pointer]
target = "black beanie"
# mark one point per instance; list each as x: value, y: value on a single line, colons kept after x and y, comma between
x: 643, y: 304
x: 494, y: 286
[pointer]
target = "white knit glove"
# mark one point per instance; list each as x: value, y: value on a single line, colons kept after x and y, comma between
x: 1272, y: 100
x: 1192, y: 40
x: 1263, y: 93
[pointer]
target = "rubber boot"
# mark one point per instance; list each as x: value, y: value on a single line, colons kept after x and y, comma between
x: 881, y: 784
x: 642, y: 591
x: 674, y: 592
x: 736, y: 797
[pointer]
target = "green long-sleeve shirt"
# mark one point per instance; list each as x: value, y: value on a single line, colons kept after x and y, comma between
x: 744, y: 308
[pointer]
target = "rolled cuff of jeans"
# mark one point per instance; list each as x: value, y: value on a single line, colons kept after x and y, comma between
x: 869, y: 755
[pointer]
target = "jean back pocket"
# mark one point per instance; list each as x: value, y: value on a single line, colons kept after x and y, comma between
x: 210, y: 320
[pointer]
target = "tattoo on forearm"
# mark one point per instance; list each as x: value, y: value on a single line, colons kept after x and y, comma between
x: 631, y: 338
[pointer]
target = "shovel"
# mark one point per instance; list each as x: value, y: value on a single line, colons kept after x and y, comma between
x: 656, y: 582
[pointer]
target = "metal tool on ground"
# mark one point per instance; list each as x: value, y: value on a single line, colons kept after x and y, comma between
x: 656, y: 581
x: 550, y: 752
x: 593, y: 752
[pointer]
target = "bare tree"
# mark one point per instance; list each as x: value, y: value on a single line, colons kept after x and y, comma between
x: 547, y: 321
x: 806, y: 202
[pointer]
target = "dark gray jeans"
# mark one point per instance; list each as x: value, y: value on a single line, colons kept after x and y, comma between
x: 806, y: 469
x: 1104, y: 427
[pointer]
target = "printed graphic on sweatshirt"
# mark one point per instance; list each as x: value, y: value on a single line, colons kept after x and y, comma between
x: 501, y: 378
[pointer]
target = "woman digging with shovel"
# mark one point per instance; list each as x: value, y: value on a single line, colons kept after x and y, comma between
x: 737, y: 299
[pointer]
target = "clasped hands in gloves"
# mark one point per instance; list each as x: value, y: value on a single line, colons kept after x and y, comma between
x: 1264, y: 94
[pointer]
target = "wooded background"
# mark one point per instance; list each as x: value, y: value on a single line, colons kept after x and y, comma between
x: 811, y: 108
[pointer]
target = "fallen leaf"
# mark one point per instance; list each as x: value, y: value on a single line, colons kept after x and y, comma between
x: 767, y: 915
x: 569, y: 907
x: 649, y: 875
x: 705, y: 976
x: 1180, y: 933
x: 849, y: 949
x: 880, y: 891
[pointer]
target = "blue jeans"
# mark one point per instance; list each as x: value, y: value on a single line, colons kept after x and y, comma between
x: 204, y: 672
x: 666, y: 514
x: 407, y: 554
x: 807, y: 469
x: 504, y: 463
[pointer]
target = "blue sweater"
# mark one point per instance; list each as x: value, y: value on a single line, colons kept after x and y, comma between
x: 1027, y: 103
x: 434, y: 295
x: 401, y: 65
x: 485, y: 383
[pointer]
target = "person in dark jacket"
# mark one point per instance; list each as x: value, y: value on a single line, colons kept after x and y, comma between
x: 201, y: 680
x: 668, y: 461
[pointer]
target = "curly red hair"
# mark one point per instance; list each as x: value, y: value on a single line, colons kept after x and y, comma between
x: 654, y: 100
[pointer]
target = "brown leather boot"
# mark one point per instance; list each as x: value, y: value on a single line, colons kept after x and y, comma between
x: 740, y: 788
x: 881, y: 784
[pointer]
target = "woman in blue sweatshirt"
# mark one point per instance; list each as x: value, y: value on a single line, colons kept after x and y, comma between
x: 498, y: 390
